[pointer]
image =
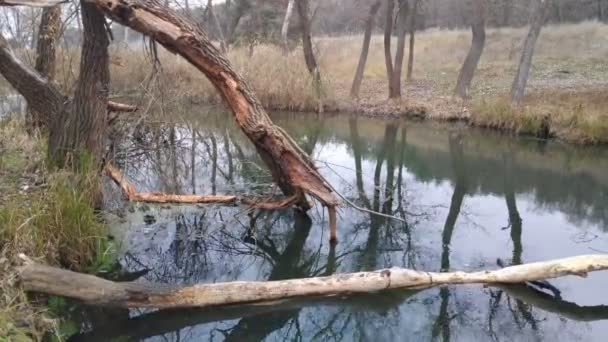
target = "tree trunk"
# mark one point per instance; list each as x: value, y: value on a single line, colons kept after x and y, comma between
x: 388, y: 55
x: 410, y: 59
x: 291, y: 168
x: 309, y: 54
x: 285, y: 27
x: 48, y: 34
x: 367, y: 36
x: 41, y: 95
x: 83, y: 127
x: 395, y: 88
x: 536, y: 23
x: 478, y: 28
x: 94, y: 290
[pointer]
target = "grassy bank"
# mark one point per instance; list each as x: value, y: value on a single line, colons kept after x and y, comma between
x: 567, y: 82
x: 47, y: 216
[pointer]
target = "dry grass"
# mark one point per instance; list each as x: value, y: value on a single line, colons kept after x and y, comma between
x: 570, y: 63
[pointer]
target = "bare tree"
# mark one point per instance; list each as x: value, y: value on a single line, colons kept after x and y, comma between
x: 413, y: 23
x: 478, y: 28
x: 388, y: 32
x: 303, y: 8
x: 537, y: 20
x: 211, y: 17
x: 285, y: 27
x: 48, y: 34
x: 369, y: 25
x: 402, y: 15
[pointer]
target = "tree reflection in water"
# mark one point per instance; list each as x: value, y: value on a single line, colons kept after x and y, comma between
x: 382, y: 171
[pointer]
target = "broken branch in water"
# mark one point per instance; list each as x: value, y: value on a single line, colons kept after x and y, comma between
x: 121, y: 107
x: 93, y: 290
x: 153, y: 197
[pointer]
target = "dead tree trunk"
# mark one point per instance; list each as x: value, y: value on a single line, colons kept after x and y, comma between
x: 291, y: 168
x: 48, y: 34
x: 478, y: 27
x: 285, y: 27
x: 83, y: 127
x: 413, y: 23
x: 94, y: 290
x: 537, y: 21
x: 367, y: 36
x: 388, y: 55
x: 309, y: 54
x: 400, y: 53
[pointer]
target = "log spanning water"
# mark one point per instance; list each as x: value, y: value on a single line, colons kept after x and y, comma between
x: 93, y: 290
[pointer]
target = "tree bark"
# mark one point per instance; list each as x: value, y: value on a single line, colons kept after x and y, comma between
x: 537, y: 21
x: 48, y: 34
x: 395, y: 88
x: 478, y: 28
x: 413, y: 23
x: 285, y: 27
x: 367, y: 36
x: 309, y: 54
x: 40, y: 94
x: 291, y: 168
x: 83, y: 127
x: 94, y: 290
x: 388, y: 55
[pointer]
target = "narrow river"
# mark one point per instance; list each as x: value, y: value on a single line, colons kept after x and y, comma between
x: 472, y: 200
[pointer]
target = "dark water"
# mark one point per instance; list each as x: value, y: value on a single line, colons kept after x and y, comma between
x: 471, y: 200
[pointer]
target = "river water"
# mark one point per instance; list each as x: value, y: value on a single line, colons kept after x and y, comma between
x: 471, y: 200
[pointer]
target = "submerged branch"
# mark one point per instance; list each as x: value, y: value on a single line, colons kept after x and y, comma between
x: 93, y: 290
x: 154, y: 197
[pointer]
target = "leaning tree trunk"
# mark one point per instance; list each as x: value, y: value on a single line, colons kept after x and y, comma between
x: 369, y: 25
x: 388, y: 55
x: 291, y: 168
x: 521, y: 78
x: 395, y: 88
x: 478, y: 27
x: 48, y: 34
x: 82, y: 129
x: 309, y: 54
x: 410, y: 59
x: 285, y: 27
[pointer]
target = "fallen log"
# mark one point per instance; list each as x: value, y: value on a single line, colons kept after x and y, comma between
x: 133, y: 195
x: 93, y: 290
x: 121, y: 107
x: 31, y: 3
x: 291, y: 168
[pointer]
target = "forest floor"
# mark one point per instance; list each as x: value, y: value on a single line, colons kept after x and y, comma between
x: 46, y: 215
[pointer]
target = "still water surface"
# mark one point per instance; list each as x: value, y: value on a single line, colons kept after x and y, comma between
x: 472, y: 200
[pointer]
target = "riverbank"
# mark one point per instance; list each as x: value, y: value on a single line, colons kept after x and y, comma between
x: 47, y: 216
x: 565, y: 92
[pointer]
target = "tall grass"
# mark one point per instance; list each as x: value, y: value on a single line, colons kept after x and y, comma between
x: 48, y: 217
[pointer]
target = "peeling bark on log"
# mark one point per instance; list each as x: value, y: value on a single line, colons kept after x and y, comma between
x: 94, y: 290
x: 291, y: 168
